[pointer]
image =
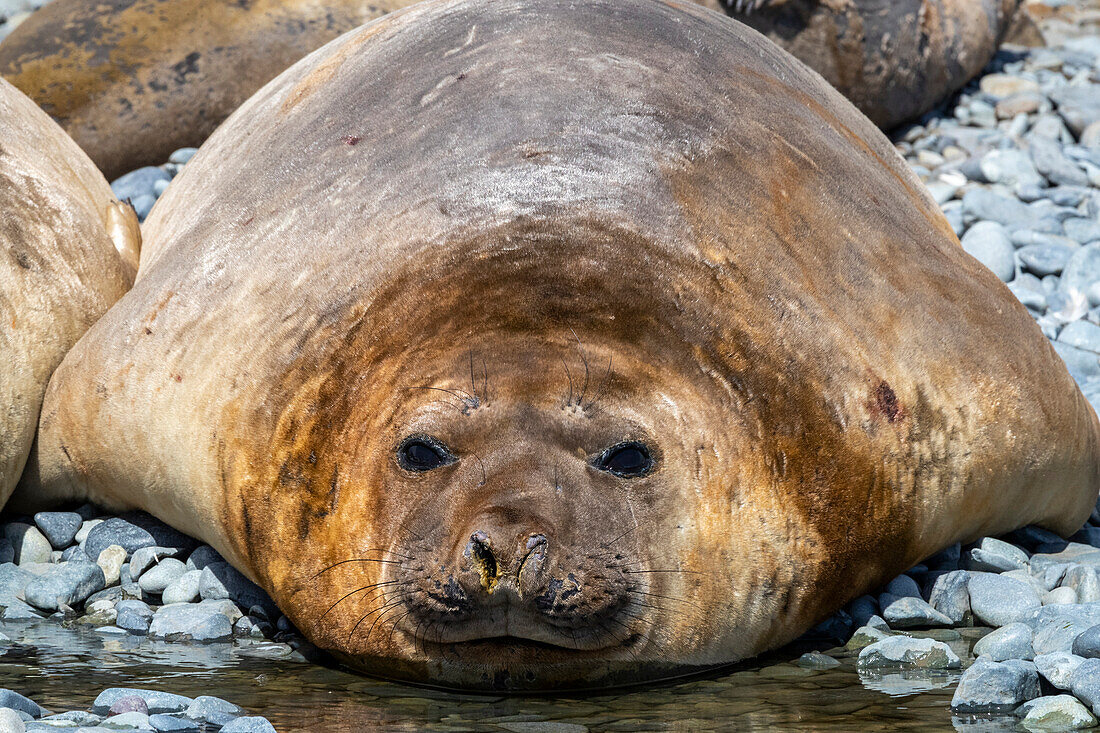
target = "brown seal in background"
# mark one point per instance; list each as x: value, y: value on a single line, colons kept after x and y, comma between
x: 894, y: 59
x: 133, y: 80
x: 59, y: 266
x: 548, y: 344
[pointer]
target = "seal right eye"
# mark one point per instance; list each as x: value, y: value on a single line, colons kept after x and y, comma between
x: 423, y: 453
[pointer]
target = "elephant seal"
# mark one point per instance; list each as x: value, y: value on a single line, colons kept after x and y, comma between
x: 894, y: 59
x: 610, y: 345
x: 133, y: 80
x: 59, y: 267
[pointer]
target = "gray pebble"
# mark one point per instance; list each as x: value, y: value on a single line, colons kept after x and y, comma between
x: 173, y: 724
x: 59, y: 528
x: 1054, y: 165
x: 1044, y: 259
x: 221, y: 580
x: 1087, y: 643
x: 1079, y: 106
x: 202, y: 556
x: 156, y: 701
x: 1082, y: 335
x: 999, y: 601
x: 29, y: 544
x: 133, y: 616
x: 912, y: 613
x: 987, y: 206
x: 249, y: 724
x: 1055, y: 627
x: 951, y: 597
x: 1057, y: 712
x: 1085, y: 683
x: 192, y: 621
x: 205, y: 706
x: 995, y: 687
x: 906, y: 652
x: 15, y: 701
x: 184, y: 589
x: 69, y: 583
x: 1008, y: 642
x: 156, y: 579
x: 995, y: 556
x: 988, y: 243
x: 1058, y: 668
x: 138, y: 183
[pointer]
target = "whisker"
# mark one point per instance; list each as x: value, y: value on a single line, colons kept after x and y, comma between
x: 584, y: 358
x: 569, y: 376
x: 358, y: 559
x: 638, y: 572
x: 358, y: 590
x: 599, y: 391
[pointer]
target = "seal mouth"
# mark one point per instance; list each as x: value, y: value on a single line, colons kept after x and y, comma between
x: 517, y: 628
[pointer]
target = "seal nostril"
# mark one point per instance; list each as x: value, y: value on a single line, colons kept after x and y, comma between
x: 535, y: 540
x: 482, y: 554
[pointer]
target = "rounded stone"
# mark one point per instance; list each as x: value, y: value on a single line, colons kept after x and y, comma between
x: 161, y: 576
x: 988, y: 243
x: 999, y: 601
x: 59, y: 528
x: 110, y: 560
x: 1008, y: 642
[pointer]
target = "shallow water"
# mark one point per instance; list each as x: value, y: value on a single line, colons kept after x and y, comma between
x: 64, y: 669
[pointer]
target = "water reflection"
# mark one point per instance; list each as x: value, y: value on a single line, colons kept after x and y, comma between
x: 64, y: 669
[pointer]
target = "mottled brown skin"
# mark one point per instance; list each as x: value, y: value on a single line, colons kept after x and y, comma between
x: 59, y: 266
x: 133, y: 80
x: 581, y: 224
x: 894, y: 59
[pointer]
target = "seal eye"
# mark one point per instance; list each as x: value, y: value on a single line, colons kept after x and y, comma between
x: 423, y: 453
x: 625, y: 459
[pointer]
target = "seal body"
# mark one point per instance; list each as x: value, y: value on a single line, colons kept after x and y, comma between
x: 611, y: 345
x: 894, y: 59
x: 133, y: 80
x: 59, y: 267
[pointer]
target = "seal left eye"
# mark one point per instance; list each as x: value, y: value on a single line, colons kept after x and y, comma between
x: 423, y: 453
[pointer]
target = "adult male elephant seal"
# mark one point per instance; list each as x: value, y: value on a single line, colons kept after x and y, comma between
x: 59, y: 268
x: 535, y: 343
x: 895, y: 59
x: 132, y: 80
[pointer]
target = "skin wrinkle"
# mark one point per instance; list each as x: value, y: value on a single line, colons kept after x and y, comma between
x: 751, y: 308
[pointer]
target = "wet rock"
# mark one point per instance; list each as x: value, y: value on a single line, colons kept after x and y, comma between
x: 999, y: 601
x: 15, y: 701
x: 1058, y: 668
x: 156, y: 579
x: 1058, y: 712
x: 173, y: 724
x: 11, y: 722
x: 951, y: 596
x: 863, y: 637
x: 1008, y: 642
x: 204, y: 707
x: 29, y: 544
x: 912, y: 613
x: 252, y: 724
x: 134, y: 616
x: 69, y: 583
x: 995, y: 687
x: 903, y: 651
x: 59, y: 528
x: 156, y: 701
x: 129, y: 704
x: 191, y: 621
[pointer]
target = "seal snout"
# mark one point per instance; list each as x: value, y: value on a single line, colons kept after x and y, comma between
x: 522, y: 570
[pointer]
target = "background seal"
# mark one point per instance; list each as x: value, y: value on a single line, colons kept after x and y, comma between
x: 59, y: 266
